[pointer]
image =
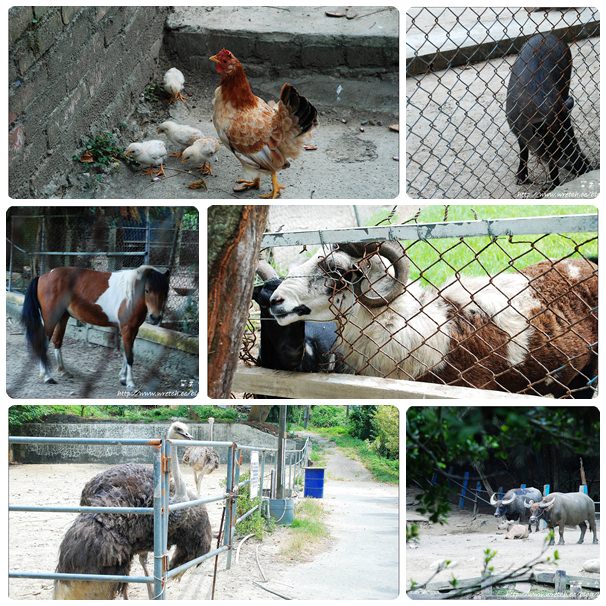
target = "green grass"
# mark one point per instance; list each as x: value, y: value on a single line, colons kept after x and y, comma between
x: 147, y: 414
x: 307, y: 530
x: 434, y: 261
x: 382, y: 469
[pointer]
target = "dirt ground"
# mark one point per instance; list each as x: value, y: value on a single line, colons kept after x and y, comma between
x: 94, y: 371
x: 463, y: 539
x: 361, y: 553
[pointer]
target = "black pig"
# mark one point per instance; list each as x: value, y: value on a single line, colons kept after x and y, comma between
x: 538, y: 108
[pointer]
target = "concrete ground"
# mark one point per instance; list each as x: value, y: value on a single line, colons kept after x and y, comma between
x: 359, y: 561
x: 355, y: 90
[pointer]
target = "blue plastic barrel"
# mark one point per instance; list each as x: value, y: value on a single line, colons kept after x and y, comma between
x: 314, y: 482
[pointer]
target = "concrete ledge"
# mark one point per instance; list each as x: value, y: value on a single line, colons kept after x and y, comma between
x: 149, y: 339
x: 454, y: 44
x: 295, y: 37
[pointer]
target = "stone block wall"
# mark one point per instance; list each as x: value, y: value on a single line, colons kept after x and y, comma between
x: 73, y: 71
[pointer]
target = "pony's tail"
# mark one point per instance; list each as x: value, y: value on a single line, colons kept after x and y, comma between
x: 31, y: 318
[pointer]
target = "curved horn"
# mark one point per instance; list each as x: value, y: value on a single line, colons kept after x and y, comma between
x: 528, y: 504
x: 544, y: 504
x: 494, y: 500
x: 507, y: 501
x: 392, y: 251
x: 265, y: 271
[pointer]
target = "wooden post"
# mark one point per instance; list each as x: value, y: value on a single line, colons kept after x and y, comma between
x: 234, y: 240
x: 464, y: 490
x: 280, y: 476
x: 560, y: 581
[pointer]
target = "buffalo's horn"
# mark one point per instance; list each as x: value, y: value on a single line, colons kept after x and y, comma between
x: 493, y: 500
x: 393, y: 252
x: 507, y: 501
x: 265, y: 271
x: 544, y: 504
x: 528, y: 504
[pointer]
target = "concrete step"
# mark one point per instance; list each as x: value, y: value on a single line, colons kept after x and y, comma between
x: 286, y: 37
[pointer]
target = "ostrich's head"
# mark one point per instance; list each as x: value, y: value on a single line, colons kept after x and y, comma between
x: 179, y: 431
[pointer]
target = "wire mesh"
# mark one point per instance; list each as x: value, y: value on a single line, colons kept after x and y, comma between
x: 106, y: 240
x: 511, y: 313
x: 38, y: 243
x: 459, y: 66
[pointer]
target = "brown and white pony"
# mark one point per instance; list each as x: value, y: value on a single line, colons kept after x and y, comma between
x: 121, y: 298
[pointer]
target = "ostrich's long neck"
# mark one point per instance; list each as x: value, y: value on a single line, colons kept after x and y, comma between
x: 180, y: 487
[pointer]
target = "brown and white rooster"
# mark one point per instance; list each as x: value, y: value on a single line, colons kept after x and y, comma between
x: 262, y: 136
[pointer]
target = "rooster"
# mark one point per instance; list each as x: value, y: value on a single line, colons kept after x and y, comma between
x: 262, y: 136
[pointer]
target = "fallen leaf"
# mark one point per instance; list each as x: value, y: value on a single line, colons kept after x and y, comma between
x: 310, y: 147
x: 201, y: 184
x: 87, y: 157
x: 395, y: 127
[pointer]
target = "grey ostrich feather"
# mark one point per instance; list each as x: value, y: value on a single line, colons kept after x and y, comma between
x: 106, y: 543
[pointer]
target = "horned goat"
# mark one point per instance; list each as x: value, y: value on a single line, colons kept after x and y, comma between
x: 530, y: 331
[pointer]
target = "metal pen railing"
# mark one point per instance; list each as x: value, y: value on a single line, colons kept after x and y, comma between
x: 162, y: 453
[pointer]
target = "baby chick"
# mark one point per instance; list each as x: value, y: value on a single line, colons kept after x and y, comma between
x: 200, y: 152
x: 150, y: 153
x: 181, y: 135
x: 174, y: 80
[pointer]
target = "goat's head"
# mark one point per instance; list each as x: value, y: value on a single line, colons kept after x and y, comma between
x: 329, y: 284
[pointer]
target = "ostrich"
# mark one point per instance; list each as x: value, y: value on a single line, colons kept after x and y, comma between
x: 105, y: 543
x: 202, y: 459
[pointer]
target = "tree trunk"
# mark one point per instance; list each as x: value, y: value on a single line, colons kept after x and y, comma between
x: 259, y: 413
x: 234, y: 240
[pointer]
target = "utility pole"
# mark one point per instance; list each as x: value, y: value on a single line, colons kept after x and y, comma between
x: 281, y: 452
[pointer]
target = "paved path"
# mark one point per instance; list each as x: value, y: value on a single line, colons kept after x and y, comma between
x: 361, y: 562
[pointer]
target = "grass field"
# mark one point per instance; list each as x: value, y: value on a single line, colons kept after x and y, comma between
x: 437, y: 260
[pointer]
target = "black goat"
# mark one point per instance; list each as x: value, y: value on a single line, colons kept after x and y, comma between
x: 302, y: 346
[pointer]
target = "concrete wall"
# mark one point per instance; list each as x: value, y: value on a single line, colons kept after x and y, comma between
x: 113, y: 454
x: 73, y: 71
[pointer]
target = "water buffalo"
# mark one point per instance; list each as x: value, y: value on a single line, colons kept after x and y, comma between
x: 511, y: 506
x: 565, y: 509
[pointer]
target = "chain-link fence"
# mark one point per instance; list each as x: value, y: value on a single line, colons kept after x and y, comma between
x: 96, y: 353
x: 483, y: 90
x: 505, y: 304
x: 37, y: 243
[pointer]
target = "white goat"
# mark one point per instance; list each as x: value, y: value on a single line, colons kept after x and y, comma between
x: 532, y: 331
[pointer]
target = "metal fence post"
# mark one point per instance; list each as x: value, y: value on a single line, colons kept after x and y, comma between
x: 229, y: 488
x: 158, y: 522
x: 234, y: 503
x: 464, y: 490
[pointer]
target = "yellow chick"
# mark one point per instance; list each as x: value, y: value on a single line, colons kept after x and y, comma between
x: 181, y: 135
x: 200, y: 152
x: 150, y: 153
x: 174, y: 81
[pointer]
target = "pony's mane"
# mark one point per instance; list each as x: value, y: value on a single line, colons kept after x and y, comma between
x: 157, y: 281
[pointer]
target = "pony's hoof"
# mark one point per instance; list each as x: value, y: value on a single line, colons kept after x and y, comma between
x: 67, y: 374
x: 50, y: 381
x: 122, y: 381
